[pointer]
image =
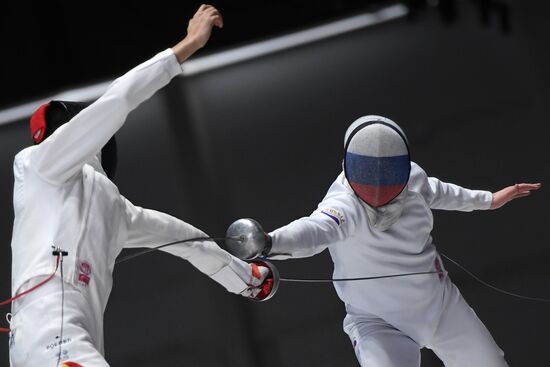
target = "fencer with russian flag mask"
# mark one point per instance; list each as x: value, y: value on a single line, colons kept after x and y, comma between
x: 63, y: 197
x: 376, y: 219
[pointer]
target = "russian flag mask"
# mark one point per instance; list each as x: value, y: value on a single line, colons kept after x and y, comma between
x: 377, y: 163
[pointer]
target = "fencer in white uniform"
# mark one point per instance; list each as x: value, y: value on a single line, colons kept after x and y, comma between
x: 63, y: 198
x: 376, y: 219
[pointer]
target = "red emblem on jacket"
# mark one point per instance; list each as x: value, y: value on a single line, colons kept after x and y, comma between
x: 71, y: 364
x: 84, y: 273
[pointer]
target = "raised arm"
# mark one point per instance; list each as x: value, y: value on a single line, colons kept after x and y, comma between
x: 198, y: 32
x: 62, y: 154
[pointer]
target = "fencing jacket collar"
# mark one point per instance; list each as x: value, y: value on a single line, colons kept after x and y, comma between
x: 383, y: 217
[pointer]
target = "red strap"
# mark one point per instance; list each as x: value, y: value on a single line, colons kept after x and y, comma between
x: 71, y: 364
x: 38, y: 123
x: 8, y: 301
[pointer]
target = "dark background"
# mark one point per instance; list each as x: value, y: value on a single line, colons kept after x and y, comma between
x: 263, y: 139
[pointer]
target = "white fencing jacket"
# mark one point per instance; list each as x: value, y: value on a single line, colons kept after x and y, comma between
x: 63, y: 198
x: 340, y: 224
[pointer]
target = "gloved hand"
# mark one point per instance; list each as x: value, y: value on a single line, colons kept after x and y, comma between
x: 247, y: 240
x: 263, y: 283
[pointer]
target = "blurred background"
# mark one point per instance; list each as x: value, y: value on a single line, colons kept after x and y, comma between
x: 262, y: 137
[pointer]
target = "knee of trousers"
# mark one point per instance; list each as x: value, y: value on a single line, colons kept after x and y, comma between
x: 384, y: 348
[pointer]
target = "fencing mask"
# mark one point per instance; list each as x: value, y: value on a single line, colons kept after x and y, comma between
x: 377, y: 167
x: 48, y: 117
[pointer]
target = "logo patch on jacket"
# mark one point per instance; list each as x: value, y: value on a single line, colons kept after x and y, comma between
x: 335, y: 215
x: 84, y: 273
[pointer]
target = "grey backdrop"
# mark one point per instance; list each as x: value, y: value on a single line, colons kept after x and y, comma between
x: 263, y: 139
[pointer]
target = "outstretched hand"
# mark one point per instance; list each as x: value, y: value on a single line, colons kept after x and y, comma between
x: 513, y: 192
x: 199, y: 30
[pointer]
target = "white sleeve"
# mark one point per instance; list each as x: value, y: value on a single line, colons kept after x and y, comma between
x: 448, y: 196
x: 334, y: 220
x: 150, y: 228
x: 62, y: 154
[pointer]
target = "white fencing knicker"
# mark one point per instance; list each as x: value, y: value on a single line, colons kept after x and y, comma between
x: 35, y: 338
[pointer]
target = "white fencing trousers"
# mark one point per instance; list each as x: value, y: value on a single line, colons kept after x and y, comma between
x: 460, y: 339
x: 36, y: 326
x: 378, y: 344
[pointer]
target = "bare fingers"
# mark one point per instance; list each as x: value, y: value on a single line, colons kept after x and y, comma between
x: 203, y: 7
x: 523, y: 187
x: 214, y: 16
x: 209, y: 13
x: 510, y: 193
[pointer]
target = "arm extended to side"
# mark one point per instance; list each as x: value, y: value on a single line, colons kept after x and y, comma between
x: 339, y: 214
